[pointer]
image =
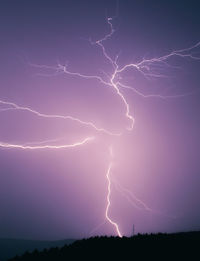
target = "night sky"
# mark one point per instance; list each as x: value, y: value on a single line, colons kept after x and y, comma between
x: 62, y: 193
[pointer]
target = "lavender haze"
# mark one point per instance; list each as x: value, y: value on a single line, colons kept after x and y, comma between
x: 55, y: 194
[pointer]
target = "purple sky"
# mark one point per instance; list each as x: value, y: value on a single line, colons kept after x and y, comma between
x: 55, y: 194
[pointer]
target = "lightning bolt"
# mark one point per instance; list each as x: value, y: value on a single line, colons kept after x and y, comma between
x: 108, y: 173
x: 14, y: 106
x: 136, y: 202
x: 148, y: 68
x: 28, y: 147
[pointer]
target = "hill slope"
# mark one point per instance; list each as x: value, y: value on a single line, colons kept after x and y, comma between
x: 12, y: 247
x: 140, y: 247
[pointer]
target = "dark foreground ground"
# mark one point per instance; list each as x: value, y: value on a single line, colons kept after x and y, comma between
x: 180, y: 246
x: 12, y: 247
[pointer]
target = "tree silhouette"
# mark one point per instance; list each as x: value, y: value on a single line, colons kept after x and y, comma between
x: 141, y: 247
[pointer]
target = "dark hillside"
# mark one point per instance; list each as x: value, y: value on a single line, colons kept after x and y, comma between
x: 140, y: 247
x: 12, y: 247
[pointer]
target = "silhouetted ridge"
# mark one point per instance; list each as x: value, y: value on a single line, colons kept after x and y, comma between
x: 139, y: 247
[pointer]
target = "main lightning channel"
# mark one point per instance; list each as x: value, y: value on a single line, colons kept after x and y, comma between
x: 144, y: 67
x: 109, y: 203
